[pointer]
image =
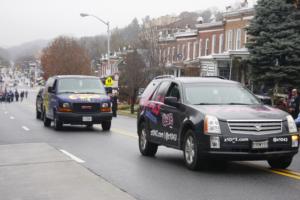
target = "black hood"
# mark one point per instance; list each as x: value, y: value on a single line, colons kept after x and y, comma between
x: 241, y: 112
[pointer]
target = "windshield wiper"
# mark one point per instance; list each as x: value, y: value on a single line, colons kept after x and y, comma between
x: 205, y: 104
x: 67, y: 92
x: 92, y: 93
x: 233, y: 103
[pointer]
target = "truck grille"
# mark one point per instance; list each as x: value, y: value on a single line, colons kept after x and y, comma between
x: 86, y: 107
x: 255, y: 127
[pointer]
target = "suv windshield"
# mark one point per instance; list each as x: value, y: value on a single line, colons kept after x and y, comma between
x: 228, y: 94
x: 83, y: 85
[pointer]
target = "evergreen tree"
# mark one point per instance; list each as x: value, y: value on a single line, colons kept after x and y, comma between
x: 274, y: 42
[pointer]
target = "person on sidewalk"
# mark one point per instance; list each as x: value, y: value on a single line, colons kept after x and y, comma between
x: 294, y: 104
x: 114, y: 101
x: 17, y: 95
x: 22, y: 95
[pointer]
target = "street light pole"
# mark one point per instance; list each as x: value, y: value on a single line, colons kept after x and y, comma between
x: 108, y: 37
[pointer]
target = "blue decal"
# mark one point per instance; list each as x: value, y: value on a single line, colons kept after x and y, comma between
x: 150, y: 116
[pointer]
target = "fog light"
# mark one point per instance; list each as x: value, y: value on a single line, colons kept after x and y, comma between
x: 295, y: 140
x: 214, y: 142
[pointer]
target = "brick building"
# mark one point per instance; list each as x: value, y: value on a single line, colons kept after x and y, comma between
x: 177, y: 51
x: 215, y: 48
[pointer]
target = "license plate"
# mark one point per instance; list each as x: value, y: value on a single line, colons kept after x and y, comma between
x: 260, y: 145
x: 86, y: 119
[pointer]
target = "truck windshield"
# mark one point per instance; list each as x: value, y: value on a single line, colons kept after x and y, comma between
x: 82, y: 85
x: 216, y: 94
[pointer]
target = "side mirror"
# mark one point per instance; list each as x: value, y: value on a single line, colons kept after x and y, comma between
x: 172, y: 101
x: 51, y: 90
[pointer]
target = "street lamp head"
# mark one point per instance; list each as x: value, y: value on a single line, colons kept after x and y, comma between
x: 84, y: 14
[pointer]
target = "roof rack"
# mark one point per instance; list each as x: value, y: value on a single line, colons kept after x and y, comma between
x: 164, y: 76
x: 220, y: 77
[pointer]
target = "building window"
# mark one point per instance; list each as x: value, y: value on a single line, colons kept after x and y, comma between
x: 194, y: 50
x: 246, y: 37
x: 213, y: 44
x: 200, y: 47
x: 229, y: 40
x: 173, y: 54
x: 183, y: 52
x: 178, y: 53
x: 221, y: 38
x: 168, y: 54
x: 160, y: 55
x: 224, y: 72
x: 238, y: 39
x: 206, y: 47
x: 188, y: 51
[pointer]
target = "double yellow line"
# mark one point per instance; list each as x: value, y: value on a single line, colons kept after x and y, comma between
x: 286, y: 172
x: 282, y: 172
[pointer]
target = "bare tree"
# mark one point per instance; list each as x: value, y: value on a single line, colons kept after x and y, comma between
x: 149, y: 40
x: 64, y: 56
x: 133, y: 76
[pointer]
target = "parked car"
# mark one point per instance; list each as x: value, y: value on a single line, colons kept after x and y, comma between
x: 78, y: 100
x: 213, y: 119
x: 39, y: 103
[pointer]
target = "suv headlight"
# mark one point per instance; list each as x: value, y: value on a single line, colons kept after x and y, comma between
x: 291, y: 124
x: 211, y: 125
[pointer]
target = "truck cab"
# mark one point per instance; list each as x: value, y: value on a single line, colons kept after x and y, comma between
x: 76, y: 100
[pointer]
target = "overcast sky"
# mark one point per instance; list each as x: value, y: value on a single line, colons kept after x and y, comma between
x: 26, y: 20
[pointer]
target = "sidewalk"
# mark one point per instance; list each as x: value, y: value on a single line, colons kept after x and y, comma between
x: 38, y: 171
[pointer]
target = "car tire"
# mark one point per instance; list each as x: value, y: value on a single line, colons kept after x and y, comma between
x: 38, y: 114
x: 47, y: 121
x: 146, y: 148
x: 191, y: 152
x: 281, y: 162
x: 106, y: 125
x: 57, y: 124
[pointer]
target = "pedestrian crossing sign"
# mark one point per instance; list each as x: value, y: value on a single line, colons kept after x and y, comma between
x: 109, y: 82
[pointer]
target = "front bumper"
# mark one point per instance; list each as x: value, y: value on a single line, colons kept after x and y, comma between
x: 79, y: 118
x: 243, y: 148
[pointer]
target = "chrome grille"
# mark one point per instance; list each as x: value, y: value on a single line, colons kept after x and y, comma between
x: 86, y: 107
x: 255, y: 127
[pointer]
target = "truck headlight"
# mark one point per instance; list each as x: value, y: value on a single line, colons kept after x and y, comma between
x: 105, y: 105
x: 66, y: 105
x: 291, y: 124
x: 211, y: 125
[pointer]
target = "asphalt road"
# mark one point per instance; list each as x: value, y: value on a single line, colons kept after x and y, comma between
x: 115, y: 156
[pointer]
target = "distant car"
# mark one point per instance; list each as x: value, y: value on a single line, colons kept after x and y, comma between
x: 213, y: 119
x: 76, y: 100
x: 39, y: 103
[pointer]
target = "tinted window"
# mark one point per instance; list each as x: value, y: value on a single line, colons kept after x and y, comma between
x: 218, y: 94
x: 150, y: 89
x: 174, y: 91
x: 80, y: 85
x: 161, y: 92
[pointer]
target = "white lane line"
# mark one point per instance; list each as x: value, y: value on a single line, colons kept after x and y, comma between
x: 72, y: 156
x: 11, y: 117
x: 25, y: 128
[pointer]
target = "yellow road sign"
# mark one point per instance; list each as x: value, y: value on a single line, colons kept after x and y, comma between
x: 109, y: 82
